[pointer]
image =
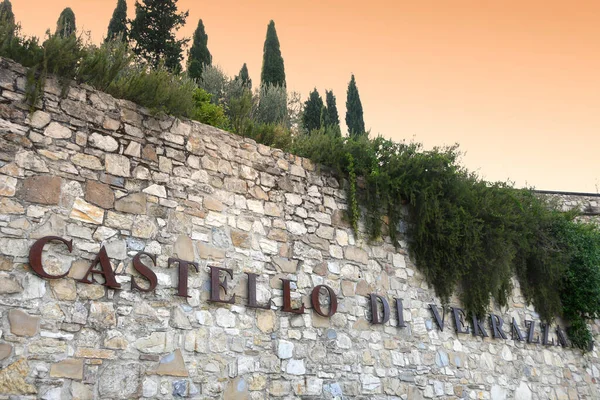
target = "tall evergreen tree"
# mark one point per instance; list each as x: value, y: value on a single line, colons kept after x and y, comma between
x: 153, y: 32
x: 245, y: 77
x: 199, y: 55
x: 117, y: 27
x: 65, y: 26
x: 311, y: 117
x: 354, y: 110
x: 7, y: 17
x: 273, y: 71
x: 331, y: 117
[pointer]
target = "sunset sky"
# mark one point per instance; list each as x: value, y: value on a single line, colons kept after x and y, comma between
x: 515, y: 82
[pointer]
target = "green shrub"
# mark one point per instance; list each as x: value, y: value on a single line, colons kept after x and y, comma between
x: 60, y: 57
x: 101, y: 65
x: 271, y: 107
x: 156, y: 88
x: 274, y: 135
x: 239, y: 110
x: 24, y: 50
x: 580, y: 291
x: 207, y: 112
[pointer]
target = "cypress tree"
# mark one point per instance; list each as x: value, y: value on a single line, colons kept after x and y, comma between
x: 244, y: 77
x: 273, y: 71
x: 311, y: 117
x: 199, y: 55
x: 153, y: 32
x: 117, y: 27
x: 354, y: 110
x: 332, y: 117
x: 7, y: 17
x: 65, y: 26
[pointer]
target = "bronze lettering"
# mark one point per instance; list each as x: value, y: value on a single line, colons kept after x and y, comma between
x: 145, y: 271
x: 35, y: 255
x: 459, y: 320
x: 562, y: 338
x: 375, y: 309
x: 252, y: 303
x: 216, y: 285
x: 287, y: 299
x: 182, y: 285
x: 497, y: 331
x: 478, y: 329
x: 317, y: 304
x: 400, y: 313
x: 531, y: 327
x: 516, y: 331
x: 436, y: 316
x: 545, y: 331
x: 105, y: 271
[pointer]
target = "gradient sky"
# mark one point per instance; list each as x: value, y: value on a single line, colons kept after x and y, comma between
x: 515, y: 82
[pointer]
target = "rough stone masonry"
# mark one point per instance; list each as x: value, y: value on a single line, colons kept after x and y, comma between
x: 106, y: 173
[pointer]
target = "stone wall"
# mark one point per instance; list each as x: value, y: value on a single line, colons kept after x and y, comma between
x: 111, y: 176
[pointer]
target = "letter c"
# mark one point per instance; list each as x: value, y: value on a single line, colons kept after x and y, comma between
x: 35, y: 255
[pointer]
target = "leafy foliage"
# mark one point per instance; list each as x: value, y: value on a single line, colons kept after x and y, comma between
x: 311, y: 117
x: 101, y: 65
x: 156, y: 88
x: 239, y: 110
x: 580, y: 291
x: 244, y: 77
x: 59, y: 56
x: 199, y: 56
x: 354, y: 110
x: 330, y: 116
x: 207, y: 112
x: 273, y: 71
x: 117, y: 27
x: 7, y: 17
x: 214, y: 81
x: 272, y: 105
x: 269, y: 134
x: 153, y: 33
x: 65, y: 26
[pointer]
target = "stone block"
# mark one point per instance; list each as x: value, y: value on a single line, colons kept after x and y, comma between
x: 134, y: 203
x: 8, y: 206
x: 8, y: 185
x: 70, y: 368
x: 208, y: 252
x: 87, y: 161
x: 183, y: 248
x: 356, y: 254
x: 5, y: 351
x: 86, y: 212
x: 23, y: 324
x: 57, y: 131
x: 9, y: 286
x: 171, y: 365
x: 240, y: 239
x: 100, y: 194
x: 118, y: 165
x: 41, y: 189
x: 39, y: 119
x: 12, y: 379
x: 103, y: 142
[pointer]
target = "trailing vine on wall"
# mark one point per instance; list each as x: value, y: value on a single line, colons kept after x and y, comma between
x: 467, y: 235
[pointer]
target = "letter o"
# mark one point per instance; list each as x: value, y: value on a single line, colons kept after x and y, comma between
x: 317, y: 305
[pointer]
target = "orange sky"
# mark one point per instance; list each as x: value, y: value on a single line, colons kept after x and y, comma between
x: 515, y: 82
